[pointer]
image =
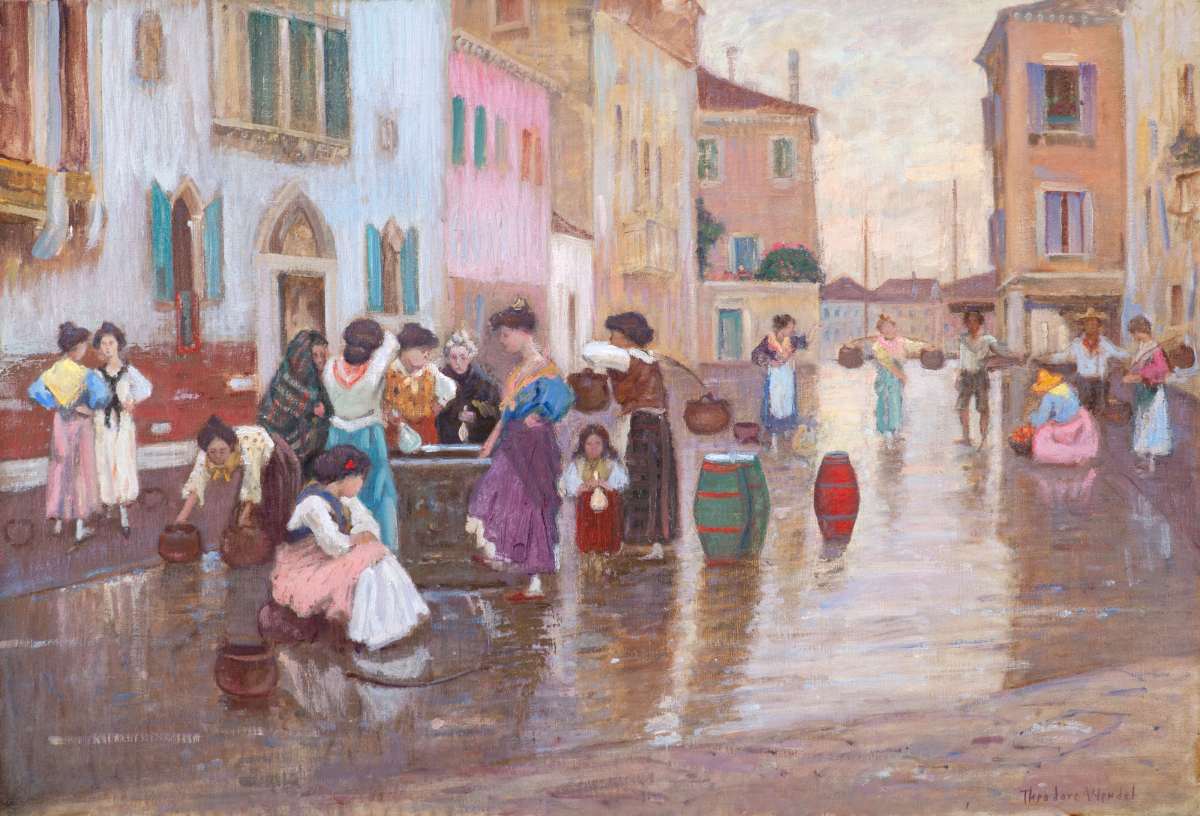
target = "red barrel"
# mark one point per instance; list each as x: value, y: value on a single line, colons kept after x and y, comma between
x: 835, y: 497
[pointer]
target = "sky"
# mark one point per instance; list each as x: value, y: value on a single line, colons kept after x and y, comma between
x: 898, y: 92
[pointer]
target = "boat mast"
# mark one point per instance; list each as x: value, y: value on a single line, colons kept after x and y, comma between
x: 954, y: 231
x: 866, y: 282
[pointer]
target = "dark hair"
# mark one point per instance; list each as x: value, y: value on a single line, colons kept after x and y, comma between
x: 967, y: 314
x: 105, y: 330
x: 70, y: 336
x: 595, y: 430
x: 633, y: 325
x: 782, y: 322
x: 1140, y: 324
x: 362, y: 337
x: 518, y: 316
x: 340, y: 461
x: 213, y: 430
x: 416, y: 336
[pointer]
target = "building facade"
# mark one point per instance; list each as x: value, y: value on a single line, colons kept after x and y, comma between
x: 914, y: 303
x: 1054, y: 124
x: 843, y: 305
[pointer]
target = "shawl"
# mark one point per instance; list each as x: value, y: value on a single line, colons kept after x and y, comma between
x: 66, y: 380
x: 288, y: 406
x: 114, y: 404
x: 894, y: 347
x: 476, y: 392
x: 225, y: 471
x: 516, y: 384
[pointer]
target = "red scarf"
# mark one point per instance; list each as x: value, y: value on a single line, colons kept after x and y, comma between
x: 1091, y: 346
x: 347, y: 375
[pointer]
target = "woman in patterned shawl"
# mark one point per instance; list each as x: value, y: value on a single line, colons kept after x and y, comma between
x: 296, y: 405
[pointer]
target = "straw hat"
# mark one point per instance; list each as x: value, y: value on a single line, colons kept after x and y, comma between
x: 1091, y: 312
x: 1046, y: 381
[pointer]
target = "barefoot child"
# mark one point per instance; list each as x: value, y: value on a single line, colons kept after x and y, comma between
x: 594, y: 479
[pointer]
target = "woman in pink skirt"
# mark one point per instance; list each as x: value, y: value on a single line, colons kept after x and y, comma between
x: 335, y: 564
x: 1065, y: 434
x: 74, y: 393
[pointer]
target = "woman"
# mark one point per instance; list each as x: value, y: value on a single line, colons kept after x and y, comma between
x: 116, y: 446
x: 594, y: 479
x: 1149, y: 368
x: 73, y: 392
x: 889, y: 351
x: 652, y: 504
x: 780, y: 414
x: 262, y: 468
x: 355, y: 383
x: 470, y: 417
x: 513, y: 512
x: 296, y: 405
x: 1064, y: 432
x: 416, y: 391
x: 334, y: 563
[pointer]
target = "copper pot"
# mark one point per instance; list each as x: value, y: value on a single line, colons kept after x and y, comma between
x: 279, y: 624
x: 707, y: 415
x: 245, y: 547
x: 1118, y: 413
x: 850, y: 357
x: 179, y: 542
x: 932, y: 359
x: 1182, y: 356
x: 591, y: 390
x: 746, y: 433
x: 246, y: 670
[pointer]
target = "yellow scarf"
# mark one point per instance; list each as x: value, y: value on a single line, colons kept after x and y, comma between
x: 65, y: 380
x: 515, y: 386
x: 1059, y: 390
x: 225, y: 471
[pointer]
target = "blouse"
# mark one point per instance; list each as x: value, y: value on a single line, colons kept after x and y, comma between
x: 417, y: 396
x: 356, y: 400
x: 771, y: 350
x: 573, y: 477
x: 1152, y: 366
x: 1090, y: 363
x: 1061, y: 404
x: 254, y: 449
x: 314, y: 513
x: 543, y: 394
x: 67, y: 385
x: 131, y: 387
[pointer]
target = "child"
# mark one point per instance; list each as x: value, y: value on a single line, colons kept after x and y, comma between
x: 116, y: 446
x: 595, y: 477
x: 335, y: 564
x: 416, y: 391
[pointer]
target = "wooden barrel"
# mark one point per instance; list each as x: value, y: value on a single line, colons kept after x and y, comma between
x: 179, y: 542
x: 835, y: 498
x: 760, y: 502
x: 722, y: 509
x: 850, y: 357
x: 246, y: 670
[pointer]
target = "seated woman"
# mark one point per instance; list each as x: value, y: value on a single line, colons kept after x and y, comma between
x: 471, y: 416
x: 336, y: 565
x: 1065, y: 434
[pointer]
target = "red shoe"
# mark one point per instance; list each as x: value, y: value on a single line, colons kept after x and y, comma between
x: 492, y: 565
x: 525, y: 597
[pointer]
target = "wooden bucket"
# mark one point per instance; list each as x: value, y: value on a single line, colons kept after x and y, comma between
x: 850, y: 357
x: 835, y: 498
x: 179, y: 543
x: 933, y: 359
x: 246, y: 670
x: 245, y: 547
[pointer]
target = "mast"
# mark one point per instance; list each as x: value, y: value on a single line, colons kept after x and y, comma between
x: 954, y: 231
x: 866, y: 281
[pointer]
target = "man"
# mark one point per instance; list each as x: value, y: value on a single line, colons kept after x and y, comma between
x: 1090, y: 354
x: 974, y: 348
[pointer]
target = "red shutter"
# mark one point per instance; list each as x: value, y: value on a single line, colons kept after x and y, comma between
x: 76, y: 112
x: 16, y: 135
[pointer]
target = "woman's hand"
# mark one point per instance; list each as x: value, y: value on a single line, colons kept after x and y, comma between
x: 320, y: 409
x: 533, y: 420
x: 1132, y: 378
x: 83, y: 410
x: 903, y: 379
x: 361, y: 538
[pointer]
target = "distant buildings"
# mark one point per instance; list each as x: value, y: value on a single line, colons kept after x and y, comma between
x: 842, y: 305
x: 914, y: 303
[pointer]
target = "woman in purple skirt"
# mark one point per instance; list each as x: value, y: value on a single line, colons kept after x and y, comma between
x: 513, y: 512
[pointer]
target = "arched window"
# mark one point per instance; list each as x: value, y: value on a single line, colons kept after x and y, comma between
x: 188, y: 250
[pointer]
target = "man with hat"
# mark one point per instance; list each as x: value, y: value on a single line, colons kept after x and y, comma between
x: 1090, y: 353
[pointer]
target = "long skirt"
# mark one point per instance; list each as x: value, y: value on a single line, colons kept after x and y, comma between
x: 889, y: 402
x: 1066, y: 443
x: 116, y: 459
x: 71, y: 481
x: 651, y: 505
x: 379, y: 492
x: 515, y: 505
x: 778, y: 412
x: 365, y: 588
x: 598, y: 531
x: 1151, y: 421
x: 282, y: 479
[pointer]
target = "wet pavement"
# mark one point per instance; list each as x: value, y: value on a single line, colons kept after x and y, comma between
x: 1049, y: 612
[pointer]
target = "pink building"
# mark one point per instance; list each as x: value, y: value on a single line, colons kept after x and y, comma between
x: 498, y: 202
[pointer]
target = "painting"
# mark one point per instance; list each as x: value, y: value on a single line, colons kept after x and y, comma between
x: 599, y: 406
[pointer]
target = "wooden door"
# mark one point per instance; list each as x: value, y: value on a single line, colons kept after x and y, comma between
x: 301, y: 306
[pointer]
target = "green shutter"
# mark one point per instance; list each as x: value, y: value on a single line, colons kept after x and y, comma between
x: 457, y: 151
x: 337, y: 85
x: 374, y: 270
x: 214, y: 249
x: 263, y: 33
x: 302, y: 48
x: 480, y: 137
x: 410, y: 273
x: 160, y: 223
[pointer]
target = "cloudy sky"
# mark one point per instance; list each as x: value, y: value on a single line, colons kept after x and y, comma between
x: 900, y: 118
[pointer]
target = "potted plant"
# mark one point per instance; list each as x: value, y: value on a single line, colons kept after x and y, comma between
x: 790, y: 263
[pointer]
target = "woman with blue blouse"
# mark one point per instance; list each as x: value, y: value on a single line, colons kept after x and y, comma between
x: 513, y: 512
x: 1065, y: 434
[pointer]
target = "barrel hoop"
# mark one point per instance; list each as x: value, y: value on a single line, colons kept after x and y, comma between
x: 826, y: 517
x: 837, y: 484
x: 732, y: 495
x: 700, y: 529
x: 708, y: 467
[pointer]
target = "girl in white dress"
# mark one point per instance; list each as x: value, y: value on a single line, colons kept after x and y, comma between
x: 116, y: 446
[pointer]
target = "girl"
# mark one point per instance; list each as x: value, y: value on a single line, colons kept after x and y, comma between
x: 116, y: 446
x: 334, y: 563
x: 594, y: 478
x: 296, y: 405
x: 776, y: 353
x: 889, y: 351
x: 513, y: 512
x: 1151, y: 414
x: 1065, y: 434
x: 416, y: 390
x: 471, y: 416
x: 73, y: 392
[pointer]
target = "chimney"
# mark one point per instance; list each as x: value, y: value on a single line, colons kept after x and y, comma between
x: 731, y: 54
x: 794, y: 75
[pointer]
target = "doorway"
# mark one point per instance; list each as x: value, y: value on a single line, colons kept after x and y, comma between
x: 301, y: 306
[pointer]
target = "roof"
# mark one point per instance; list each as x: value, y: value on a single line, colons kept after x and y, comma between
x: 716, y: 94
x: 564, y: 227
x: 907, y: 290
x: 844, y: 289
x: 975, y: 288
x: 1085, y: 9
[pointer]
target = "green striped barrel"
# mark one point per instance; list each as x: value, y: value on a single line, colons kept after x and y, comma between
x: 760, y: 501
x: 722, y: 509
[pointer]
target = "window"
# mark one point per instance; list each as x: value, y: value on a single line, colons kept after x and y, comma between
x: 837, y: 312
x: 826, y: 311
x: 458, y: 137
x: 707, y: 161
x: 480, y: 142
x: 316, y: 56
x: 501, y: 150
x: 1176, y: 305
x: 188, y: 255
x: 729, y: 334
x: 16, y: 111
x: 646, y: 171
x: 526, y: 154
x: 744, y: 257
x: 633, y: 164
x: 509, y: 14
x: 783, y: 158
x: 149, y: 65
x: 658, y: 178
x: 1062, y: 98
x: 1068, y: 223
x: 538, y: 164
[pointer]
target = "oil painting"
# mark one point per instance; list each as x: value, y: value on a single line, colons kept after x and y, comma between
x: 599, y: 406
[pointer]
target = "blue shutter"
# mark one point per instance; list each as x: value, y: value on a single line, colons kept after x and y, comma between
x: 1054, y: 224
x: 1162, y: 218
x: 214, y: 249
x: 1036, y: 74
x: 160, y: 223
x: 374, y: 270
x: 1087, y: 76
x: 410, y: 273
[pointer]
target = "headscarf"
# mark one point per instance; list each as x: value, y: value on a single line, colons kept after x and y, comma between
x: 295, y: 392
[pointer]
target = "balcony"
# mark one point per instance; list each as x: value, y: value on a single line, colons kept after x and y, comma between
x: 649, y: 247
x: 23, y: 190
